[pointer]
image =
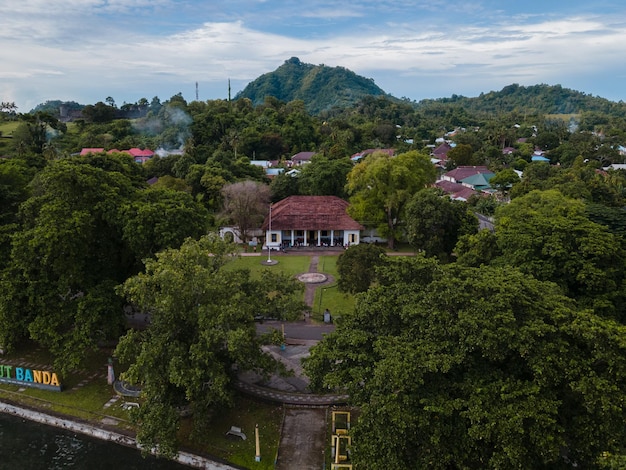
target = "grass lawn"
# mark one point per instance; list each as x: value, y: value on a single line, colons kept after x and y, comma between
x: 245, y: 415
x: 289, y: 264
x: 328, y: 296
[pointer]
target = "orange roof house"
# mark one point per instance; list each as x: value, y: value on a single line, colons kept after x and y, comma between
x: 311, y: 221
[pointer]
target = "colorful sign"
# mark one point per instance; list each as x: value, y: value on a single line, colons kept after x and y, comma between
x: 43, y: 379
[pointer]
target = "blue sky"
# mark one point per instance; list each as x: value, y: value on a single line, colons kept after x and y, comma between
x: 88, y: 50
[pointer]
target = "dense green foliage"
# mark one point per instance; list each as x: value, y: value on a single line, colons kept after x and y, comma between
x: 535, y: 99
x: 357, y: 267
x: 434, y: 223
x: 83, y: 231
x: 475, y: 368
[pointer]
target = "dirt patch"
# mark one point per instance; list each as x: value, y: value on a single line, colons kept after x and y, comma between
x: 303, y: 440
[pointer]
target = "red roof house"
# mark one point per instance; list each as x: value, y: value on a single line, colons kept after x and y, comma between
x: 311, y: 220
x: 459, y: 174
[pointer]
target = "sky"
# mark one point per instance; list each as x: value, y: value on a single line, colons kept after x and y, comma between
x: 89, y: 50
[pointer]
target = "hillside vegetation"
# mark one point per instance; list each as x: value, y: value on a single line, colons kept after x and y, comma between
x: 319, y: 86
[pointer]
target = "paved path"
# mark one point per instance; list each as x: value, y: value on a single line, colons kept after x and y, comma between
x: 303, y: 440
x: 290, y: 398
x: 309, y: 290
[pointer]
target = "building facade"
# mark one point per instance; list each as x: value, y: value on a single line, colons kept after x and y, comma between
x: 304, y: 221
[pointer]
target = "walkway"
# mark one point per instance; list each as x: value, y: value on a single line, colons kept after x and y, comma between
x: 309, y: 290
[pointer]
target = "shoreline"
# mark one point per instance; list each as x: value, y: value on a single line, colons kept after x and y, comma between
x: 184, y: 458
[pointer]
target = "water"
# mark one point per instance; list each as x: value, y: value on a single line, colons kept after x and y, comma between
x: 26, y: 445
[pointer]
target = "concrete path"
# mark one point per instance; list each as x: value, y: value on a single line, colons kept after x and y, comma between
x: 303, y: 440
x: 309, y: 290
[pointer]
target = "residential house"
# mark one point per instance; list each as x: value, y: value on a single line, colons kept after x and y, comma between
x: 310, y: 221
x: 302, y: 158
x: 139, y: 155
x: 456, y: 191
x: 464, y: 181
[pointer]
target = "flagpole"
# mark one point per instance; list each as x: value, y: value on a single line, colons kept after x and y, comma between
x: 269, y: 249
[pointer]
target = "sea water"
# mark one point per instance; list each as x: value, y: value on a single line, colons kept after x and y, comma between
x: 26, y: 445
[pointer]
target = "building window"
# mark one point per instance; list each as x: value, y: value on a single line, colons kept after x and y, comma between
x: 274, y: 238
x: 352, y: 238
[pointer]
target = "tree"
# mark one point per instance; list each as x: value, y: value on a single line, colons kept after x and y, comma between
x: 503, y: 181
x: 157, y: 219
x: 461, y: 155
x: 14, y: 179
x: 201, y: 333
x: 434, y: 223
x: 245, y: 204
x: 283, y: 186
x: 356, y: 267
x: 380, y: 186
x: 84, y: 230
x: 325, y: 177
x: 477, y: 249
x: 475, y: 368
x: 549, y: 236
x: 65, y: 262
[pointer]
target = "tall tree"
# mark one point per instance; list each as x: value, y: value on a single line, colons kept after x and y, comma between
x: 325, y: 177
x: 434, y: 223
x: 245, y: 204
x: 65, y: 261
x: 201, y: 333
x: 550, y: 236
x: 475, y: 368
x: 356, y: 267
x: 380, y: 187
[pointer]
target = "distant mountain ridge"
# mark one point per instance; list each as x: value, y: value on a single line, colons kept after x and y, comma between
x: 535, y: 99
x: 320, y: 87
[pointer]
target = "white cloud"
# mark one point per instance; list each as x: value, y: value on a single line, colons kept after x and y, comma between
x: 92, y: 54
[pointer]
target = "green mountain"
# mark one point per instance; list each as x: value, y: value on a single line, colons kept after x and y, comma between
x: 319, y: 86
x: 535, y: 99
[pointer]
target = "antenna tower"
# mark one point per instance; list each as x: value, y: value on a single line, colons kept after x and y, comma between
x: 196, y: 91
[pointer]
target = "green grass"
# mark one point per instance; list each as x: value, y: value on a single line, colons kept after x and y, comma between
x: 7, y: 127
x: 245, y: 415
x: 291, y: 265
x: 328, y: 296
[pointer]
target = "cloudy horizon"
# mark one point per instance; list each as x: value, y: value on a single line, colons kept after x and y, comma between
x: 88, y: 50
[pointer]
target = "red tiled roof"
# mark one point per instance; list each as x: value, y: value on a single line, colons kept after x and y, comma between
x: 455, y: 190
x: 136, y: 152
x: 442, y: 150
x: 311, y: 213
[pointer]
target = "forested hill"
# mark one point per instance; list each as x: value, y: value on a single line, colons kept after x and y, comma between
x: 535, y: 99
x: 319, y: 86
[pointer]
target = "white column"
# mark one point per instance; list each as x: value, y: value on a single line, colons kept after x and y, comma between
x: 304, y: 241
x: 332, y: 238
x: 319, y: 238
x: 293, y: 240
